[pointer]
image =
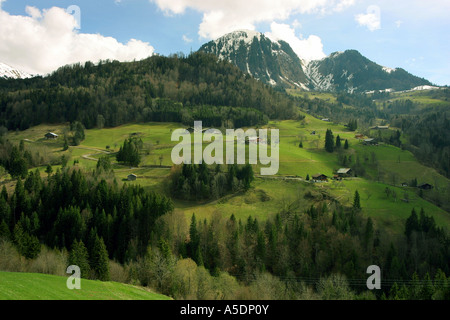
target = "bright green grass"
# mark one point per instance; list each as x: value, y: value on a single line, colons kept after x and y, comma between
x: 264, y: 199
x: 34, y: 286
x: 374, y: 202
x: 424, y: 98
x: 154, y: 131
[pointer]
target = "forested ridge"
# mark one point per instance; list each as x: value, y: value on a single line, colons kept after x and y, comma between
x: 175, y: 88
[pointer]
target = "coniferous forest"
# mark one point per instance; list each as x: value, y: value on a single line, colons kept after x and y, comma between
x: 95, y: 220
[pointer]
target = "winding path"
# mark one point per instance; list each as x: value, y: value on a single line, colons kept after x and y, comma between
x: 87, y: 156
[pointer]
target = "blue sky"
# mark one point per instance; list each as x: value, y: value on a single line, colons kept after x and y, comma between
x: 409, y: 34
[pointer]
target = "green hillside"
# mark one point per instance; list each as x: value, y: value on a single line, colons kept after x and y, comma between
x: 34, y: 286
x: 384, y: 165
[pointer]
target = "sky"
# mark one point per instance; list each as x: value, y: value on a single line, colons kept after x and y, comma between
x: 38, y: 36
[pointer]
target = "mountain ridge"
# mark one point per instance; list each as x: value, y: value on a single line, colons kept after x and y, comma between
x: 274, y: 62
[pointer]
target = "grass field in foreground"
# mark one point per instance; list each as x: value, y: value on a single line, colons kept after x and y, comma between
x: 35, y: 286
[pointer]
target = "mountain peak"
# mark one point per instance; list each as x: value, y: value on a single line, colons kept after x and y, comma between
x: 8, y: 72
x: 272, y: 62
x: 244, y: 33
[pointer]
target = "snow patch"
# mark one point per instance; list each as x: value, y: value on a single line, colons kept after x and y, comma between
x: 424, y: 88
x: 8, y: 72
x: 388, y: 70
x: 319, y: 81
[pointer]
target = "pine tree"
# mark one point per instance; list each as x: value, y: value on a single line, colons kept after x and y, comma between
x: 194, y: 243
x: 346, y: 144
x: 66, y: 144
x: 393, y: 293
x: 27, y: 245
x: 352, y: 125
x: 129, y: 152
x: 4, y: 230
x: 338, y: 142
x: 17, y: 165
x: 4, y: 193
x: 247, y: 176
x: 427, y: 288
x: 412, y: 224
x: 329, y: 141
x: 357, y: 201
x: 79, y: 256
x: 368, y: 233
x: 49, y: 170
x: 99, y: 260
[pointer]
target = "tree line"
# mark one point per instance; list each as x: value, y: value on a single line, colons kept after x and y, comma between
x: 198, y: 182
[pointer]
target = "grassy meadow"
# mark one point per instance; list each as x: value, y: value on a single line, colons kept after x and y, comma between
x: 34, y: 286
x: 386, y: 166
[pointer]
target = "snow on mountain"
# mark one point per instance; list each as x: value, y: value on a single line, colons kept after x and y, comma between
x: 420, y: 88
x: 318, y: 80
x: 8, y: 72
x: 388, y: 70
x: 271, y: 61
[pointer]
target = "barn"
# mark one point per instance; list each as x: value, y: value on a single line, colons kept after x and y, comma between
x: 425, y: 186
x: 320, y: 177
x: 344, y: 172
x: 51, y: 135
x: 132, y: 177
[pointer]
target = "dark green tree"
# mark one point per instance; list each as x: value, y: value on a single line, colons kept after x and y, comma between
x: 412, y: 224
x: 338, y: 142
x: 27, y: 245
x: 17, y: 167
x: 4, y: 230
x: 346, y: 144
x: 49, y: 170
x: 357, y: 201
x: 99, y: 260
x: 194, y: 242
x: 104, y: 164
x: 129, y: 152
x: 368, y: 233
x: 329, y: 141
x: 79, y: 256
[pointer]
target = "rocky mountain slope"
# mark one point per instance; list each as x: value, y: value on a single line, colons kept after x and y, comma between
x: 275, y: 63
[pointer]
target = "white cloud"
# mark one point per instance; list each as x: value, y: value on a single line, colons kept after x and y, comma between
x: 371, y: 20
x: 187, y: 39
x: 221, y: 17
x: 398, y: 23
x: 307, y: 49
x: 45, y: 40
x: 33, y: 12
x: 296, y: 24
